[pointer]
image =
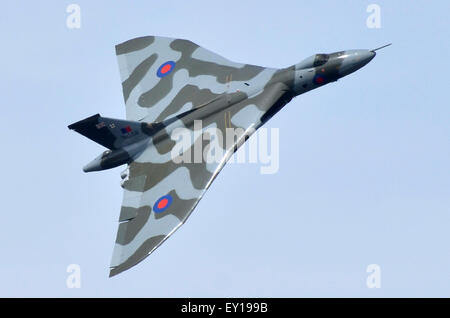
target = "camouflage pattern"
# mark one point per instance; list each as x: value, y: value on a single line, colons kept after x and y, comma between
x: 168, y: 84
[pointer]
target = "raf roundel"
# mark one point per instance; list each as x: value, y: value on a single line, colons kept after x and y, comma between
x: 162, y: 203
x: 319, y: 79
x: 165, y: 68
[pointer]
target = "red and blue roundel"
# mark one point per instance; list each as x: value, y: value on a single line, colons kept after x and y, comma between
x: 162, y: 203
x: 165, y: 69
x: 319, y: 79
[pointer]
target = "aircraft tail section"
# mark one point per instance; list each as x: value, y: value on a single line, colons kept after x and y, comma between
x: 110, y: 133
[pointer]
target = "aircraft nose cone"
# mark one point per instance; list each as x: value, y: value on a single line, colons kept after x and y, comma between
x: 366, y: 56
x: 354, y: 60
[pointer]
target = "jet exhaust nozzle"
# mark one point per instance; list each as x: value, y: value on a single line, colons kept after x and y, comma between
x: 107, y: 160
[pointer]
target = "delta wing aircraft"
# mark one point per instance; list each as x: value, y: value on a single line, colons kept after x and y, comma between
x: 172, y: 83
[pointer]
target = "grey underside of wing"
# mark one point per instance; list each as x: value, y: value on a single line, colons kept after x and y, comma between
x: 154, y: 174
x: 198, y: 77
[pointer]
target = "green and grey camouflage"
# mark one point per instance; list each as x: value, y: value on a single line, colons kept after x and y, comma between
x: 169, y: 84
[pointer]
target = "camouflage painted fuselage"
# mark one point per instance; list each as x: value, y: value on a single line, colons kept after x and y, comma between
x: 169, y: 84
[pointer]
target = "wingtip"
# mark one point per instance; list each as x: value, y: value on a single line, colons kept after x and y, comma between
x: 113, y: 271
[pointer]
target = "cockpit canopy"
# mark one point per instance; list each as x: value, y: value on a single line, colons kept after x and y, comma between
x: 313, y: 61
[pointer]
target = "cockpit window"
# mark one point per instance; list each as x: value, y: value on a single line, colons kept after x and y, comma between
x: 312, y: 61
x: 320, y: 59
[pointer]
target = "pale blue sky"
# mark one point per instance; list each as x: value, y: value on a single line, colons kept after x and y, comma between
x: 364, y: 163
